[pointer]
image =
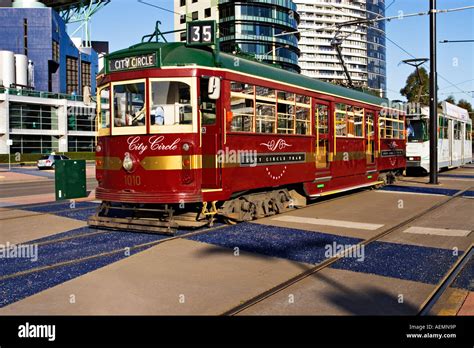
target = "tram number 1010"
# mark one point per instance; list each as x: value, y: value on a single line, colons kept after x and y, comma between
x: 133, y: 180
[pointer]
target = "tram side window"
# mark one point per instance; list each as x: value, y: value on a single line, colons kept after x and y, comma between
x: 443, y: 127
x: 341, y: 122
x: 457, y: 130
x: 129, y: 105
x: 242, y: 102
x: 322, y: 117
x: 171, y: 103
x: 286, y: 113
x: 265, y: 110
x: 391, y: 125
x: 349, y: 121
x: 104, y: 115
x: 208, y: 106
x: 303, y: 115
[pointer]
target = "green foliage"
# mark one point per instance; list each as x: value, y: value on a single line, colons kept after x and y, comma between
x: 465, y: 105
x: 451, y: 100
x: 412, y: 87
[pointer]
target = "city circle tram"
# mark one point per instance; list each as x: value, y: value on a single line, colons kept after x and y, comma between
x: 187, y: 133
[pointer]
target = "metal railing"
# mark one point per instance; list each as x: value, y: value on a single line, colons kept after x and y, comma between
x: 38, y: 94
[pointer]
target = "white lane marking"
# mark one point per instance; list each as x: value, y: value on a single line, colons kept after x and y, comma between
x: 437, y: 231
x: 325, y: 222
x: 412, y: 193
x: 453, y: 178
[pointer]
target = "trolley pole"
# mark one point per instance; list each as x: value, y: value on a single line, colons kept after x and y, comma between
x: 433, y: 98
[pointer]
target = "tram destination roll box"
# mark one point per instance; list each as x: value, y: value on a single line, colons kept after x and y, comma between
x: 70, y: 179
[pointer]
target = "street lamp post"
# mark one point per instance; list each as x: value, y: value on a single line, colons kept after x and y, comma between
x: 274, y: 50
x: 433, y: 98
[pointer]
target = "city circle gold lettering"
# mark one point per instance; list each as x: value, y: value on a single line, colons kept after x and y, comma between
x: 133, y: 63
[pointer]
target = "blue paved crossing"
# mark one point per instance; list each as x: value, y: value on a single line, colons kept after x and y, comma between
x: 418, y: 189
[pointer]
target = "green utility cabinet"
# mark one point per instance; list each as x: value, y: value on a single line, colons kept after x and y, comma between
x: 70, y: 179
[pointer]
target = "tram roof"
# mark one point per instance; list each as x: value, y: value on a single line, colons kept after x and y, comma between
x: 178, y: 54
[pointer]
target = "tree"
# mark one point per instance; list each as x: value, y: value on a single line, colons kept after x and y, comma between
x: 451, y: 100
x: 465, y: 105
x: 412, y: 87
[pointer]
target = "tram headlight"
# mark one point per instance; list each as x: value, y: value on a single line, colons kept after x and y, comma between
x: 186, y: 147
x: 128, y: 163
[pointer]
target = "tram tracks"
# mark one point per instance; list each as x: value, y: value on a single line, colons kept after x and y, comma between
x: 249, y: 303
x: 446, y: 282
x: 328, y: 262
x: 132, y: 248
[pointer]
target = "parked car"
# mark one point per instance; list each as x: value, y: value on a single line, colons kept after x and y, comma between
x: 48, y: 161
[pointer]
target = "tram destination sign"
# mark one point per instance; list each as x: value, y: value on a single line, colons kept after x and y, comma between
x: 201, y: 33
x: 132, y: 63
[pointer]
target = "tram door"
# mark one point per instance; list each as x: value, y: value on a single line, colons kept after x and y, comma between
x: 323, y: 158
x: 370, y: 141
x: 451, y: 141
x: 211, y: 125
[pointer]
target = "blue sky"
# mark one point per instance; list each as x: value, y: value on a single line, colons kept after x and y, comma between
x: 124, y: 22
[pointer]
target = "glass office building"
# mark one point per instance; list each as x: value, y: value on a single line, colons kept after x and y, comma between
x: 254, y: 28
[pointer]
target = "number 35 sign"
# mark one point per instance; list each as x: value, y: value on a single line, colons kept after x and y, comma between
x: 201, y: 33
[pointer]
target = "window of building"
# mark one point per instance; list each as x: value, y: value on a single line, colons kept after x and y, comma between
x: 56, y: 51
x: 25, y: 36
x: 182, y: 19
x: 86, y: 74
x: 81, y: 119
x: 182, y: 36
x: 194, y: 1
x: 207, y: 12
x: 33, y: 117
x: 72, y: 71
x: 39, y: 144
x: 182, y: 2
x: 195, y: 15
x: 81, y: 144
x: 468, y: 132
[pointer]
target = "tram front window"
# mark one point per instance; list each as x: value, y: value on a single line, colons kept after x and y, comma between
x: 417, y: 131
x: 171, y: 104
x: 129, y: 105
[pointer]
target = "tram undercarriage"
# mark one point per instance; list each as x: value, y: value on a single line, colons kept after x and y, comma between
x: 167, y: 219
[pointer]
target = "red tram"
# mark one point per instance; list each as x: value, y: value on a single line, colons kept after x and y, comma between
x: 186, y: 133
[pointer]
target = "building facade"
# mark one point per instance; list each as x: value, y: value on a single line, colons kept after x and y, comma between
x: 248, y: 27
x: 49, y: 114
x: 60, y: 65
x: 45, y: 123
x: 363, y: 48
